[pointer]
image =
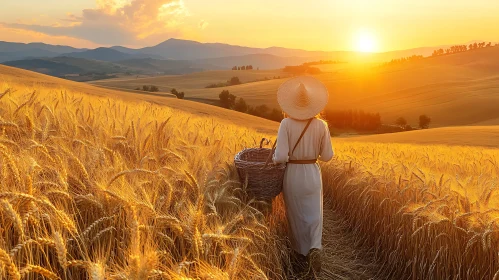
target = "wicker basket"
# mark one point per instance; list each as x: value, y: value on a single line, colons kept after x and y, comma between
x: 264, y: 178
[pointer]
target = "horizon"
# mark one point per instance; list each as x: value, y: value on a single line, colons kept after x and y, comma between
x: 365, y: 26
x: 235, y: 45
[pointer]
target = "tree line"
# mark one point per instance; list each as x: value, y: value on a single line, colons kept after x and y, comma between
x: 244, y: 67
x: 461, y: 48
x: 231, y: 82
x: 230, y: 101
x: 148, y: 88
x: 353, y: 119
x: 321, y: 62
x: 302, y: 69
x: 404, y: 59
x: 368, y: 122
x: 424, y: 122
x: 179, y: 95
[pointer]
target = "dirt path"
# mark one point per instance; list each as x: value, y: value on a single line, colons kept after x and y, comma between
x: 342, y: 259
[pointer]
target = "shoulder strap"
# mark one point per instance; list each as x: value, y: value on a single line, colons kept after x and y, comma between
x: 301, y: 136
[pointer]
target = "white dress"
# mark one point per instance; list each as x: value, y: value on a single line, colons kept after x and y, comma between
x: 302, y: 187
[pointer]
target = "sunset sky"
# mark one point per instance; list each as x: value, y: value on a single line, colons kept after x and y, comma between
x: 371, y: 25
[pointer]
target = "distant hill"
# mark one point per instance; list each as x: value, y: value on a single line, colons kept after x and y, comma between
x: 192, y: 50
x: 173, y: 57
x: 46, y: 66
x: 84, y: 69
x: 17, y: 47
x: 104, y: 54
x: 69, y: 67
x: 27, y: 54
x: 176, y: 49
x: 15, y: 51
x: 168, y: 67
x: 108, y: 54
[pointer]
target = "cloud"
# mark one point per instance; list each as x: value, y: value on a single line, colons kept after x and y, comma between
x: 203, y: 24
x: 28, y: 36
x: 119, y: 22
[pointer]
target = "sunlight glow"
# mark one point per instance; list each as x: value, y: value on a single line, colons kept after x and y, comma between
x: 365, y: 41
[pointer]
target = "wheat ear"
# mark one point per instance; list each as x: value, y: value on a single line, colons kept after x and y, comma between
x: 10, y: 266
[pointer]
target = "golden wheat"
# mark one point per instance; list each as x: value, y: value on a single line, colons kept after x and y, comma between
x: 429, y: 211
x: 118, y: 186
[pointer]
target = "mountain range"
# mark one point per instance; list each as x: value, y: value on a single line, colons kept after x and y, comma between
x: 172, y: 56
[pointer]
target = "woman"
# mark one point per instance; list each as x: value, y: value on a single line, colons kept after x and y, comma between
x: 303, y: 139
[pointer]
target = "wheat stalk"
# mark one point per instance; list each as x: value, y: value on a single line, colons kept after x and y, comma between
x: 9, y: 264
x: 39, y: 270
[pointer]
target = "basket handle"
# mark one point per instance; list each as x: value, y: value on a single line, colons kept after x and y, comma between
x: 270, y: 155
x: 267, y: 141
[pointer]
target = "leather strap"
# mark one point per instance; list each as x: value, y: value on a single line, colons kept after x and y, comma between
x: 290, y: 161
x: 301, y: 136
x: 303, y: 161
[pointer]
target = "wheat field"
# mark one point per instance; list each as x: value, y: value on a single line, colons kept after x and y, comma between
x: 95, y: 187
x: 103, y: 189
x: 427, y: 212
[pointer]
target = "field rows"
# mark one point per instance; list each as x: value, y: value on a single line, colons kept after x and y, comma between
x: 428, y: 212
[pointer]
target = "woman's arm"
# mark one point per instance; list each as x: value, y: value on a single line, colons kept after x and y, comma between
x: 327, y: 152
x: 282, y: 147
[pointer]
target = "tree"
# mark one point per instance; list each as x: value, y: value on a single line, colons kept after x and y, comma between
x: 408, y: 127
x: 153, y: 89
x: 227, y: 100
x: 261, y: 110
x: 424, y: 121
x: 241, y: 105
x: 234, y: 68
x: 401, y: 122
x: 234, y: 81
x: 145, y: 88
x: 179, y: 95
x: 276, y: 115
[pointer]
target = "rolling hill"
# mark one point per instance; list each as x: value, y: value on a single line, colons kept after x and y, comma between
x: 483, y: 136
x: 32, y: 79
x: 457, y: 89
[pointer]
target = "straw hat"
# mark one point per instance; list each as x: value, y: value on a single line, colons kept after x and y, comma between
x: 302, y: 97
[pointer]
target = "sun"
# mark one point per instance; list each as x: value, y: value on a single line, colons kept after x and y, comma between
x: 365, y: 41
